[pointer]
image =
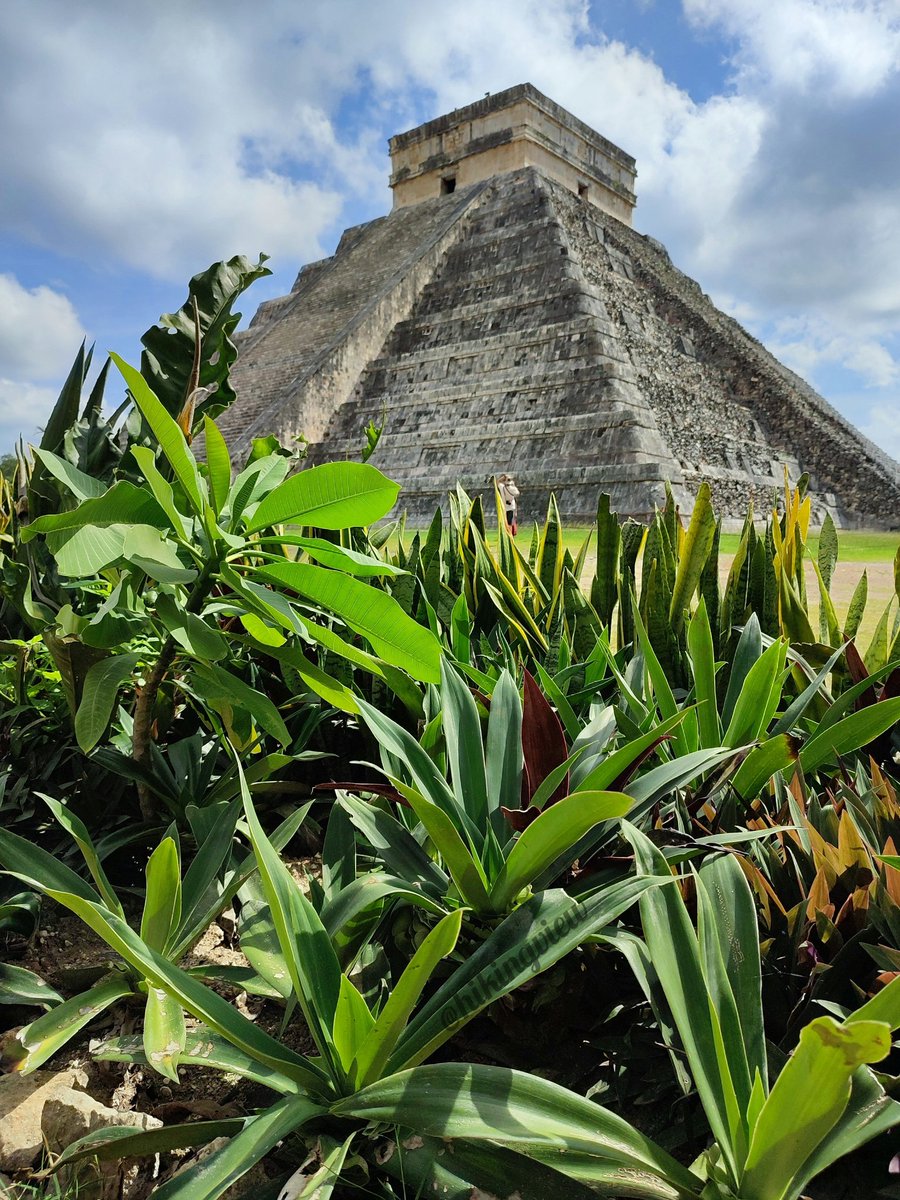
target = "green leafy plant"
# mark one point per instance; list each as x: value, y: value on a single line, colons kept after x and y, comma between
x: 178, y: 908
x: 368, y: 1061
x: 770, y: 1139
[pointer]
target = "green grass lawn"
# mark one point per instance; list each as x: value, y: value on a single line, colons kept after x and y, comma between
x: 858, y: 546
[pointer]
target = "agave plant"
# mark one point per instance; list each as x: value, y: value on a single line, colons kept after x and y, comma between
x: 178, y: 909
x: 367, y: 1069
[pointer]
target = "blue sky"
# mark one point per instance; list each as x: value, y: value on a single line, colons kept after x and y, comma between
x: 140, y: 143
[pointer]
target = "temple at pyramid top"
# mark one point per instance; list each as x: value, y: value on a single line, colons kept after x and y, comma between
x: 520, y: 127
x: 506, y: 317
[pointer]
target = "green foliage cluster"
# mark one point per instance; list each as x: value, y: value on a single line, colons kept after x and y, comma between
x: 683, y: 787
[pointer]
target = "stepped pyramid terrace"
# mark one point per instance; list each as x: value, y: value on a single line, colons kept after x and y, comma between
x: 506, y: 316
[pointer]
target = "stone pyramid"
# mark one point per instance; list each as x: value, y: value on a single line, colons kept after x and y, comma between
x: 506, y: 317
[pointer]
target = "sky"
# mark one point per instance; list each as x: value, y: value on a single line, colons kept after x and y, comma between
x: 141, y: 142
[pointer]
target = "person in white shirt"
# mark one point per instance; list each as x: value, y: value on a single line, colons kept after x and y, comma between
x: 508, y: 493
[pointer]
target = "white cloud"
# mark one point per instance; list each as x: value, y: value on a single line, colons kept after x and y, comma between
x: 163, y: 138
x: 39, y: 332
x: 882, y: 426
x: 24, y: 407
x: 809, y: 344
x: 842, y: 49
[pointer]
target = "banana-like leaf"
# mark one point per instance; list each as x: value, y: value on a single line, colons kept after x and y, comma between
x: 167, y: 433
x: 218, y: 463
x: 332, y: 496
x: 123, y: 1141
x: 218, y: 686
x: 122, y: 504
x: 369, y: 611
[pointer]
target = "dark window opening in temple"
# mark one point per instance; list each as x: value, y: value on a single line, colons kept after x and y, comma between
x: 582, y: 191
x: 448, y: 185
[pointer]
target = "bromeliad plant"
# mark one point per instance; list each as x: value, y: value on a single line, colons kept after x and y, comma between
x: 490, y: 851
x: 366, y: 1077
x: 771, y: 1136
x: 178, y: 909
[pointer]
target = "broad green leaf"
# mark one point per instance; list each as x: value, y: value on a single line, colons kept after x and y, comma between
x: 190, y: 631
x: 155, y: 555
x: 123, y: 504
x: 162, y: 902
x: 42, y: 1038
x: 311, y: 962
x: 218, y: 686
x: 218, y: 463
x: 757, y: 700
x: 369, y: 611
x: 748, y: 650
x: 402, y: 745
x: 675, y: 954
x: 549, y: 835
x: 332, y: 496
x: 465, y: 750
x: 160, y: 487
x: 883, y: 1006
x: 702, y: 661
x: 733, y: 926
x: 857, y: 606
x: 82, y: 486
x: 201, y: 1002
x: 849, y: 734
x: 503, y: 750
x: 128, y: 1141
x: 601, y: 778
x: 456, y: 1100
x: 98, y: 699
x: 775, y: 754
x: 340, y: 558
x: 535, y: 936
x: 869, y: 1112
x: 259, y: 939
x: 394, y: 845
x: 202, y: 1048
x: 166, y: 431
x: 86, y: 551
x: 807, y: 1101
x: 164, y: 1032
x: 33, y: 865
x: 374, y: 1053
